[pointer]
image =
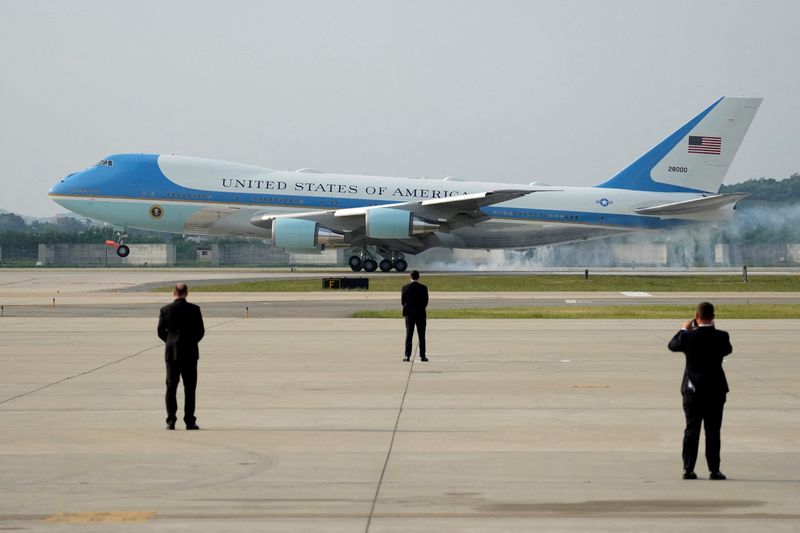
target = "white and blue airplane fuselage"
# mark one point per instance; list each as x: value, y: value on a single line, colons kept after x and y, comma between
x: 673, y: 184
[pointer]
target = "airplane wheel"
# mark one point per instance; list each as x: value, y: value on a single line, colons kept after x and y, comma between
x: 355, y: 263
x: 400, y: 265
x: 385, y: 265
x: 370, y: 265
x: 123, y: 251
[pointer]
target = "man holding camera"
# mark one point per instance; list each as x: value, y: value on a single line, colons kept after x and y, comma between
x: 704, y: 387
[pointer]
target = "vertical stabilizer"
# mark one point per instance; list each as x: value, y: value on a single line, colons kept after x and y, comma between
x: 697, y: 156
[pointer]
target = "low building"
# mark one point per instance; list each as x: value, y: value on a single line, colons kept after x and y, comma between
x: 247, y: 254
x: 204, y: 256
x: 757, y: 254
x: 260, y: 254
x: 100, y: 255
x: 640, y: 254
x: 793, y: 254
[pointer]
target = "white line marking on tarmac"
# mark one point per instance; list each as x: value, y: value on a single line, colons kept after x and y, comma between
x: 636, y: 294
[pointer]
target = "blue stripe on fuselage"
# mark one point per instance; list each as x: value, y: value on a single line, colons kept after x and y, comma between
x: 138, y: 177
x: 582, y: 217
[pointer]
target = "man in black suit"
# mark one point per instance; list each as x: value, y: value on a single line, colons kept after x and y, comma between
x: 704, y: 386
x: 414, y: 298
x: 180, y: 326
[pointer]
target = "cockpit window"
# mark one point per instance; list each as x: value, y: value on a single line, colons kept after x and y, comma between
x: 105, y: 163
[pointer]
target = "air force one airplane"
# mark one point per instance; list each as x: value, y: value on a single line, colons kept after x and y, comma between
x: 383, y: 218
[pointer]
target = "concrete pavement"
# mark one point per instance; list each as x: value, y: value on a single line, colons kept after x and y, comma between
x: 316, y: 425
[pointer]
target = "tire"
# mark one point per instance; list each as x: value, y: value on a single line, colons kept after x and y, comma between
x: 123, y: 250
x: 385, y: 265
x: 400, y: 265
x: 355, y: 263
x: 370, y: 265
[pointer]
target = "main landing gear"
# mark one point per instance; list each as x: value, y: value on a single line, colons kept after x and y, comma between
x: 122, y: 249
x: 365, y: 261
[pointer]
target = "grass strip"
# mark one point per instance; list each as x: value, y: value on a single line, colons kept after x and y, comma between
x: 534, y: 283
x: 677, y: 312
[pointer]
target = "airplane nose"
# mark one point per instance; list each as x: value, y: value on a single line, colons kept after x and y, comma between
x: 62, y: 185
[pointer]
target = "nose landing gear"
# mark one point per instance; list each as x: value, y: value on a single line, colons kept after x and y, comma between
x: 122, y: 249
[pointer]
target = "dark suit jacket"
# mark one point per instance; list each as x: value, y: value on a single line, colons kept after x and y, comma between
x: 180, y: 326
x: 705, y: 347
x: 414, y: 298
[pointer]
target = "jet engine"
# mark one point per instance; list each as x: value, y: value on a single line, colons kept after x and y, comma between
x: 299, y: 234
x: 387, y: 223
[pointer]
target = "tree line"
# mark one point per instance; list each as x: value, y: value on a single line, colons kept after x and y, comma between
x: 786, y: 191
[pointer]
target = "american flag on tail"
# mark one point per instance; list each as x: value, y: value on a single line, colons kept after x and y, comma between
x: 705, y: 145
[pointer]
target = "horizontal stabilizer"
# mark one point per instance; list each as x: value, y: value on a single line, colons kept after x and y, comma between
x: 696, y: 205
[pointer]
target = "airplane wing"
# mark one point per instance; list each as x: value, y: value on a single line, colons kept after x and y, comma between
x: 696, y: 205
x: 449, y: 212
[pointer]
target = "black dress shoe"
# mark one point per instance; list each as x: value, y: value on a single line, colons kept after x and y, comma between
x: 689, y: 475
x: 192, y: 426
x: 717, y: 475
x: 171, y: 426
x: 423, y: 358
x: 406, y: 359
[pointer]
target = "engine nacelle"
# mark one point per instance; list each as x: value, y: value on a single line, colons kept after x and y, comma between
x: 387, y: 223
x: 299, y: 234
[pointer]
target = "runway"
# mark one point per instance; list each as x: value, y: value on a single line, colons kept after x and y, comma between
x: 337, y: 306
x: 129, y: 294
x: 314, y: 423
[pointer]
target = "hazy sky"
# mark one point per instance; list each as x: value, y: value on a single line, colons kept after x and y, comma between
x: 563, y: 92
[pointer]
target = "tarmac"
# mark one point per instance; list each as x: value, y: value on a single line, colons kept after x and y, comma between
x: 315, y: 424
